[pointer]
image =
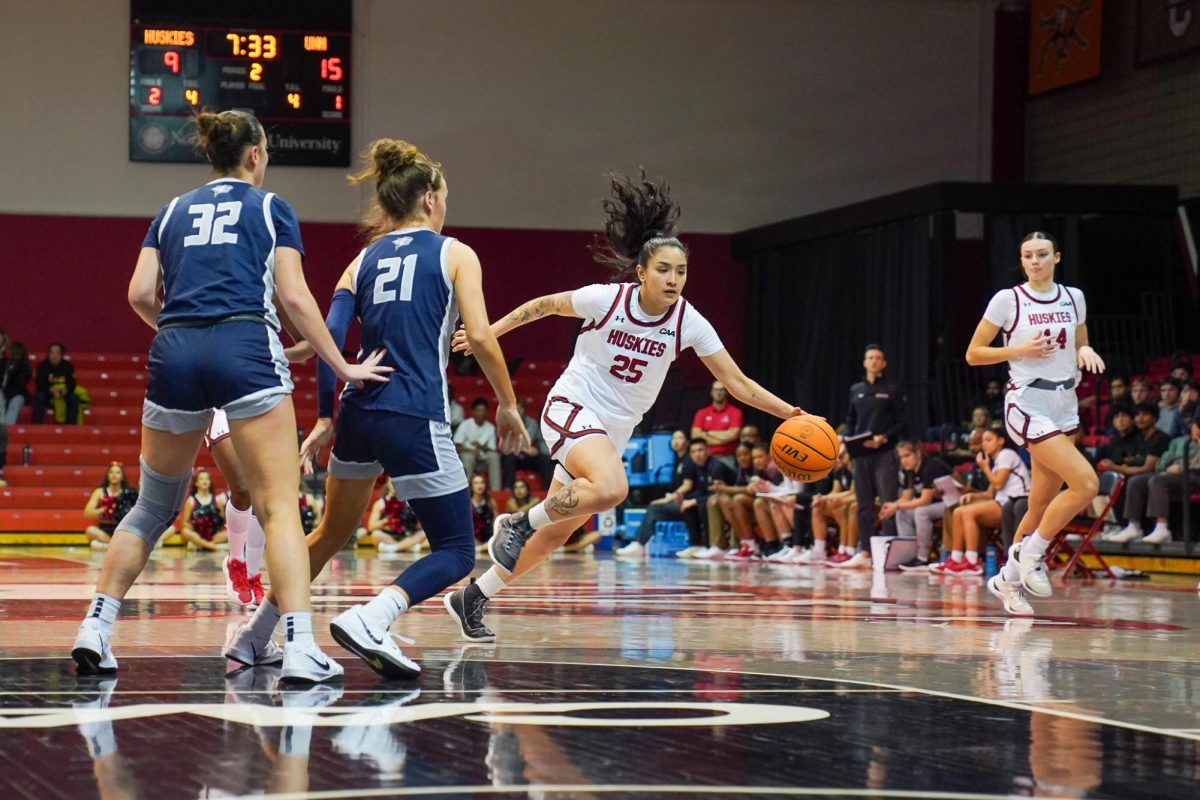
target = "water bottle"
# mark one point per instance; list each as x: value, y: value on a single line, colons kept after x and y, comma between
x: 991, y: 564
x: 27, y: 455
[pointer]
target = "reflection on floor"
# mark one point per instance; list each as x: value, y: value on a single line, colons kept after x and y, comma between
x: 616, y: 680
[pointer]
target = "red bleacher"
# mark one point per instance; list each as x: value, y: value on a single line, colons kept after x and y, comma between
x: 68, y: 461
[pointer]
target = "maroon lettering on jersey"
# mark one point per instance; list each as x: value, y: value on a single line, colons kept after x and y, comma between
x: 1050, y: 318
x: 638, y: 344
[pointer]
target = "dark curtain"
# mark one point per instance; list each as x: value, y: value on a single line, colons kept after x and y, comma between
x: 815, y: 305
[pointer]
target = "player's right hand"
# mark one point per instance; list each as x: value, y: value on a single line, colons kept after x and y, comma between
x: 1037, y: 346
x: 368, y: 370
x: 511, y: 435
x: 458, y: 342
x: 314, y: 443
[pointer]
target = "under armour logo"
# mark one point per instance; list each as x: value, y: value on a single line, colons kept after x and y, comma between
x: 619, y: 318
x: 222, y: 189
x: 401, y: 242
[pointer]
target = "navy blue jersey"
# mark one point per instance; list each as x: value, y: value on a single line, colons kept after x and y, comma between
x: 217, y: 248
x: 405, y: 301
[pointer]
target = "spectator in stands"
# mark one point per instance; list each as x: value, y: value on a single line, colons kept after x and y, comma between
x: 392, y: 526
x: 55, y: 379
x: 108, y: 505
x: 833, y: 502
x: 1188, y: 398
x: 774, y: 513
x: 522, y: 499
x: 1133, y: 451
x: 919, y: 505
x: 877, y: 408
x: 14, y: 383
x: 665, y: 508
x: 724, y: 509
x: 719, y: 424
x: 1008, y: 478
x: 1169, y: 420
x: 1181, y: 370
x: 749, y: 435
x: 1140, y: 391
x: 536, y: 456
x: 1119, y: 398
x: 202, y: 524
x: 968, y: 443
x: 483, y: 511
x: 993, y: 398
x: 476, y: 442
x: 1153, y: 497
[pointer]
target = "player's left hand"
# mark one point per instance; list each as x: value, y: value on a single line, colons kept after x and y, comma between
x: 458, y: 342
x: 510, y: 430
x: 367, y: 370
x: 314, y: 443
x: 1089, y: 360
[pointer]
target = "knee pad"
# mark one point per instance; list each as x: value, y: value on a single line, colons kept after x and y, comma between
x: 159, y: 499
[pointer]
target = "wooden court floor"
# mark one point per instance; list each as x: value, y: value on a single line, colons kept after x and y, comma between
x: 615, y: 680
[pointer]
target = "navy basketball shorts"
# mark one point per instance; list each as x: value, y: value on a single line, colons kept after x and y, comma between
x: 238, y: 366
x: 417, y: 454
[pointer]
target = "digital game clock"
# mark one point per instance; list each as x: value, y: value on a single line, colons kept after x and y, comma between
x: 287, y: 62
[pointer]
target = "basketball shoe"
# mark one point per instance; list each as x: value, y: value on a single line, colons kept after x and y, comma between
x: 466, y: 606
x: 353, y: 631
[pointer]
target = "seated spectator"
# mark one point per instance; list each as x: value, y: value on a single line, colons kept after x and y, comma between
x: 1170, y: 421
x: 774, y: 512
x: 202, y: 524
x: 1140, y: 391
x: 1119, y: 397
x: 834, y: 502
x: 392, y: 526
x: 311, y: 508
x: 108, y: 505
x: 1137, y: 443
x: 483, y: 511
x: 967, y: 444
x: 1188, y: 398
x: 1008, y: 478
x: 919, y: 506
x: 1181, y: 369
x: 685, y: 503
x: 732, y: 505
x: 55, y: 380
x: 719, y: 425
x: 749, y: 435
x: 993, y: 398
x: 475, y: 439
x: 536, y: 456
x: 1151, y: 496
x: 14, y: 382
x: 521, y: 500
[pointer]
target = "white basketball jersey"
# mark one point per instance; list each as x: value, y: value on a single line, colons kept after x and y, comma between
x: 622, y: 354
x: 1022, y: 313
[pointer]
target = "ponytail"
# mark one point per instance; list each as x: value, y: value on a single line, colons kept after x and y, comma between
x: 402, y: 175
x: 641, y: 217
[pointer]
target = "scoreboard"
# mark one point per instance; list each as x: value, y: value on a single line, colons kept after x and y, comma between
x: 287, y: 62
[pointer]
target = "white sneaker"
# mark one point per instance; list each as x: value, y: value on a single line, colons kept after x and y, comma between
x: 713, y: 553
x: 353, y: 630
x: 1034, y: 575
x: 631, y: 550
x: 242, y: 648
x: 307, y: 664
x: 1130, y: 533
x: 376, y: 740
x: 1160, y: 534
x: 92, y: 652
x: 859, y: 560
x: 690, y: 552
x: 782, y: 556
x: 809, y: 556
x: 1010, y: 595
x: 96, y: 729
x: 388, y: 547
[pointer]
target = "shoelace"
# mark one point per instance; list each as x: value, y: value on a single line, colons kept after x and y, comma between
x: 400, y: 638
x: 475, y: 612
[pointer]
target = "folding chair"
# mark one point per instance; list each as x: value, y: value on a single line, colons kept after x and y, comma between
x: 1087, y: 528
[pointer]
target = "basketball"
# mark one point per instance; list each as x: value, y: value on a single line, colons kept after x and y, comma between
x: 804, y: 448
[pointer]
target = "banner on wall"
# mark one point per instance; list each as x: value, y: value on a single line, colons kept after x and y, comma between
x: 1167, y: 28
x: 1064, y: 43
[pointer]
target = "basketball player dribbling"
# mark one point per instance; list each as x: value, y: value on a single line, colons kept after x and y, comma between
x: 219, y: 254
x: 1046, y: 346
x: 632, y: 332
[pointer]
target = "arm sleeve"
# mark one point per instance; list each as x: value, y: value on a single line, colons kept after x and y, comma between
x: 1002, y: 310
x: 151, y: 239
x: 592, y: 302
x: 287, y: 228
x: 341, y: 313
x: 698, y: 333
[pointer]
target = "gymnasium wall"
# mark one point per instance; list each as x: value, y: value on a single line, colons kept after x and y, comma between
x: 1133, y: 124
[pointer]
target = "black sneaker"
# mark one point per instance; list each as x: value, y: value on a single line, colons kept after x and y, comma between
x: 914, y: 565
x: 466, y: 606
x: 509, y: 535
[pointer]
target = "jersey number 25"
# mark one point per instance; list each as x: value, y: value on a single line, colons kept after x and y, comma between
x: 627, y: 369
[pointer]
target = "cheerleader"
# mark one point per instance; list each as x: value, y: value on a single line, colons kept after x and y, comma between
x: 108, y: 505
x: 203, y: 522
x: 1044, y: 326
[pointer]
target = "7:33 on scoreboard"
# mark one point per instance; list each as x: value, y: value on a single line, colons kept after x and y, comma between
x: 287, y: 62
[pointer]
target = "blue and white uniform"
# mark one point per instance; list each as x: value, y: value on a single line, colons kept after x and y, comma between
x: 218, y: 345
x: 405, y: 301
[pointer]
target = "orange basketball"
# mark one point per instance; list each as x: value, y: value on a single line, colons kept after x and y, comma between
x: 804, y: 448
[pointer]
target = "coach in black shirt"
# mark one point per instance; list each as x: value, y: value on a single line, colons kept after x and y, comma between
x: 876, y: 407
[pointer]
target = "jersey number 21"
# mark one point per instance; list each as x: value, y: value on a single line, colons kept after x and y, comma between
x: 388, y: 269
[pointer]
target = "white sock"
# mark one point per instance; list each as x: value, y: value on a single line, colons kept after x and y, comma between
x: 490, y: 583
x: 1034, y: 543
x: 256, y: 540
x: 297, y: 629
x: 819, y: 547
x: 237, y: 520
x: 537, y: 516
x: 956, y: 555
x: 972, y: 557
x: 385, y: 607
x: 104, y: 608
x: 846, y: 549
x: 263, y: 623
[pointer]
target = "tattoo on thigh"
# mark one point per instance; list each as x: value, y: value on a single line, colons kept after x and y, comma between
x: 564, y: 501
